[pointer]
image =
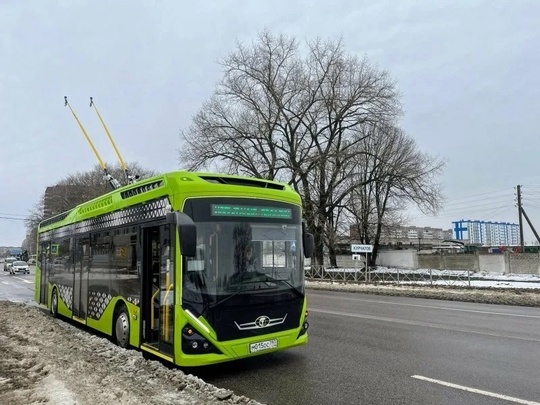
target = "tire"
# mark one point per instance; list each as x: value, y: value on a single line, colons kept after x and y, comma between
x: 121, y: 327
x: 54, y: 304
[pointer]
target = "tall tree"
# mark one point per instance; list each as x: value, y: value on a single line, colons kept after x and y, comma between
x: 395, y: 173
x: 278, y: 114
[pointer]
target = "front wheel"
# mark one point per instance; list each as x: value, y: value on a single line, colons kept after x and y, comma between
x: 54, y: 304
x: 121, y: 327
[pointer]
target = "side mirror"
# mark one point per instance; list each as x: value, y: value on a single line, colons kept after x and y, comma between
x: 187, y: 231
x: 308, y: 242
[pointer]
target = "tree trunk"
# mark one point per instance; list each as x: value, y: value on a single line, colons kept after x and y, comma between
x: 332, y: 255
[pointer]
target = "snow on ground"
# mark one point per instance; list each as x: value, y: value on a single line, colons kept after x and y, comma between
x: 462, y: 278
x: 476, y: 279
x: 492, y: 288
x: 46, y: 360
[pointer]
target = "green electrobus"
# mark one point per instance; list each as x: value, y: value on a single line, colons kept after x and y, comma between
x: 196, y: 268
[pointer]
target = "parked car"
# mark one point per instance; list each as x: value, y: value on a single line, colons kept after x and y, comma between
x: 32, y: 260
x: 8, y: 262
x: 19, y: 267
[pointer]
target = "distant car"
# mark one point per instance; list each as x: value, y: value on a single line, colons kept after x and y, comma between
x: 19, y: 267
x: 8, y: 262
x: 32, y: 261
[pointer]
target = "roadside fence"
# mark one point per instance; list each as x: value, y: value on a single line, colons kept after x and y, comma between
x: 378, y: 275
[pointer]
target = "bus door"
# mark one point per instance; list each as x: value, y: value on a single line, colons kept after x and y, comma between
x: 80, y: 274
x: 44, y: 263
x: 158, y: 288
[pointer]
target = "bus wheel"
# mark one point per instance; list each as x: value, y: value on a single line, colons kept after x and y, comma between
x: 54, y: 304
x: 121, y: 327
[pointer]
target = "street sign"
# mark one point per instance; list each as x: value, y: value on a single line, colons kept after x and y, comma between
x: 361, y: 248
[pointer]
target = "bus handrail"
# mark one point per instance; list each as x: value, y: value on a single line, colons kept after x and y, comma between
x: 152, y: 311
x: 166, y: 314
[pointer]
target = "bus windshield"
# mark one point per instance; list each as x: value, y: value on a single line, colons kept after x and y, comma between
x: 243, y: 258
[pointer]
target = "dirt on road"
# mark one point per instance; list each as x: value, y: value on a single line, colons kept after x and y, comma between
x: 46, y: 360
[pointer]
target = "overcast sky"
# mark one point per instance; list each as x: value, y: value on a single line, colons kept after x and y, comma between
x: 468, y: 72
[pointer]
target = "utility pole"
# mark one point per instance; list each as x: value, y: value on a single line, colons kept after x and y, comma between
x: 520, y: 212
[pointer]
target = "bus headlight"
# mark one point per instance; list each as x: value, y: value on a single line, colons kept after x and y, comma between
x: 194, y: 343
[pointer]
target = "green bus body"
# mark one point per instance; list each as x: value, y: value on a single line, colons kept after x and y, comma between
x: 196, y: 268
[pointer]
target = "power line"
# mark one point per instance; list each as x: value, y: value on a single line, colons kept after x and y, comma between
x: 467, y: 213
x: 13, y: 219
x: 13, y: 215
x: 474, y: 196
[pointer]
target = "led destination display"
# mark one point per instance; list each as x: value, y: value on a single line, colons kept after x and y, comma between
x: 250, y: 211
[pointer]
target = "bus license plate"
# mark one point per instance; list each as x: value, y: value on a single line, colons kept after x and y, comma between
x: 267, y: 344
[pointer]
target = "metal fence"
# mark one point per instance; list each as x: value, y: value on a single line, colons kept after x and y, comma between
x: 461, y: 278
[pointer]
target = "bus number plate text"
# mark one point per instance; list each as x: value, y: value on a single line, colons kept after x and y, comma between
x: 267, y: 344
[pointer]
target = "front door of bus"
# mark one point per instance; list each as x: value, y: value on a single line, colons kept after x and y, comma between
x: 158, y: 288
x: 80, y: 275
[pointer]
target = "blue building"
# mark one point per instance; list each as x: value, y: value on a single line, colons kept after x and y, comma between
x: 487, y: 233
x: 15, y: 251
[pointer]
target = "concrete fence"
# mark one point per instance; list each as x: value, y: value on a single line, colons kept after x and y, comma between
x: 516, y: 263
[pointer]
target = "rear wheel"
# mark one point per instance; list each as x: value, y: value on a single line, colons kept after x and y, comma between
x: 54, y: 304
x: 121, y: 327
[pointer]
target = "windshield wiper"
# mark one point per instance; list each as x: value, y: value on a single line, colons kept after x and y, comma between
x: 242, y: 284
x: 221, y: 301
x: 296, y: 291
x: 266, y: 278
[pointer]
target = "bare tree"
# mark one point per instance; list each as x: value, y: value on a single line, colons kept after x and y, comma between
x: 394, y: 173
x: 79, y: 187
x: 279, y: 115
x: 72, y: 190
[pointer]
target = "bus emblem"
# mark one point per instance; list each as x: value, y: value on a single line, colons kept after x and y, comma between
x: 262, y: 321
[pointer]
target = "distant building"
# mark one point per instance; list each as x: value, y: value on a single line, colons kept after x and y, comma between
x: 9, y: 251
x: 409, y: 235
x: 424, y: 235
x: 487, y: 233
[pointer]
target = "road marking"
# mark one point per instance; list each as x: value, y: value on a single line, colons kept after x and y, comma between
x: 416, y: 323
x: 434, y: 307
x: 476, y: 391
x: 23, y: 279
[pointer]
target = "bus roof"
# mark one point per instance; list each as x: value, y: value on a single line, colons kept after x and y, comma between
x: 177, y: 185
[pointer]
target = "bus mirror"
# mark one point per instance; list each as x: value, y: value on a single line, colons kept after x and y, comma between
x: 187, y: 232
x: 309, y: 244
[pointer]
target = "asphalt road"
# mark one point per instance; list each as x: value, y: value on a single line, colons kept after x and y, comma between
x: 17, y: 287
x: 367, y: 349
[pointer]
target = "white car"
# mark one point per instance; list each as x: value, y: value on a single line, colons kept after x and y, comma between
x: 19, y: 267
x: 8, y: 262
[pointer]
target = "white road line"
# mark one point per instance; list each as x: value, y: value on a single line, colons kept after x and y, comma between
x: 434, y: 307
x: 476, y: 391
x: 416, y: 323
x: 5, y: 282
x: 23, y: 279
